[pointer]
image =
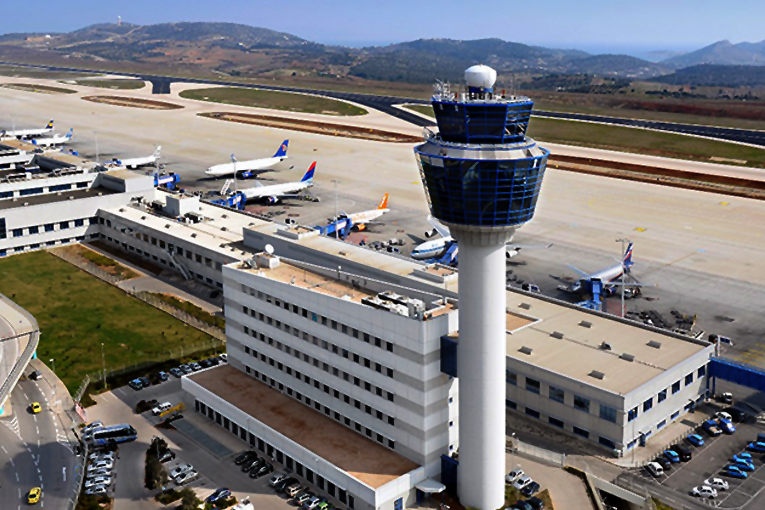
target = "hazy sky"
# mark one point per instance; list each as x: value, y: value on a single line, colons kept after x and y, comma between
x: 592, y: 25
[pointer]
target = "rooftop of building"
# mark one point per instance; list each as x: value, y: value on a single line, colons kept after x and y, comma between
x: 51, y: 198
x: 18, y: 144
x: 362, y: 458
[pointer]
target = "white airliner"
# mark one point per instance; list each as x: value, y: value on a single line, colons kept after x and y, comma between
x: 359, y: 220
x: 274, y: 192
x: 28, y: 133
x: 608, y: 276
x: 247, y: 169
x: 54, y: 141
x: 439, y: 247
x: 136, y: 162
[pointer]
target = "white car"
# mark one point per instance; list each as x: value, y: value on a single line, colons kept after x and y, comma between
x: 99, y: 480
x: 102, y: 464
x: 94, y: 473
x: 96, y: 456
x: 183, y: 468
x: 717, y: 484
x: 276, y: 479
x: 522, y: 482
x: 161, y: 408
x: 514, y: 475
x: 704, y: 491
x: 723, y: 416
x: 98, y: 489
x: 186, y: 477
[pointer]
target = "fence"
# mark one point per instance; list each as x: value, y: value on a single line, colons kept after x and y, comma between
x: 78, y: 474
x: 146, y: 297
x: 554, y: 458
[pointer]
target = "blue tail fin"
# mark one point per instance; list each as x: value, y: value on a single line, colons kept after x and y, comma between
x: 308, y: 177
x: 50, y: 125
x: 282, y: 149
x: 70, y: 134
x: 628, y: 256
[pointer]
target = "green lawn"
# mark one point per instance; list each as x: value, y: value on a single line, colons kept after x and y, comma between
x: 31, y: 87
x: 421, y: 108
x: 114, y: 84
x: 77, y: 312
x: 273, y: 100
x: 43, y: 74
x: 641, y: 141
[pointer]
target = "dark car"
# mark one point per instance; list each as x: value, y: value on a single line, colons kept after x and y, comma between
x: 244, y: 457
x: 530, y: 489
x: 262, y: 470
x: 284, y: 484
x: 522, y: 505
x: 682, y: 452
x: 250, y: 464
x: 536, y: 503
x: 177, y: 372
x: 166, y: 456
x: 214, y: 362
x: 737, y: 414
x: 664, y: 462
x: 221, y: 493
x: 35, y: 375
x: 145, y: 382
x: 136, y: 384
x: 162, y: 376
x: 205, y: 363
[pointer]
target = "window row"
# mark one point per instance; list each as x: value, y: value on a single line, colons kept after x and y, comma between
x: 51, y: 227
x: 324, y: 344
x: 51, y: 189
x: 37, y: 246
x: 324, y: 321
x: 319, y: 385
x: 276, y: 455
x: 331, y: 413
x: 662, y: 395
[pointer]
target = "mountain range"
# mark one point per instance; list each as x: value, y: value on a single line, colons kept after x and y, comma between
x: 243, y: 50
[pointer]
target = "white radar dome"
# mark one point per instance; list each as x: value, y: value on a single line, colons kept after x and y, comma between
x: 480, y: 76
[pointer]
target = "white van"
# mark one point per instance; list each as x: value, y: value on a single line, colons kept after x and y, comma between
x: 655, y: 469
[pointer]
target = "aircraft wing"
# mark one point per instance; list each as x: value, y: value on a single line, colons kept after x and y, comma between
x: 442, y: 230
x: 577, y: 270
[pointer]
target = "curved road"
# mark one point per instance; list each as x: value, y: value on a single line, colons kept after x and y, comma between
x: 387, y: 104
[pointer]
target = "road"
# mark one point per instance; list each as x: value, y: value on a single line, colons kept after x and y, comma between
x: 387, y: 104
x: 35, y: 450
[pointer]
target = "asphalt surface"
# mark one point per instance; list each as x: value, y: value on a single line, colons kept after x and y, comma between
x: 387, y: 104
x: 35, y: 451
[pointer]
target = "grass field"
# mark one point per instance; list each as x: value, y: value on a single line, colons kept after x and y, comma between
x: 114, y: 84
x: 641, y: 141
x: 44, y: 89
x: 77, y: 313
x: 42, y: 74
x: 421, y: 108
x: 274, y: 100
x: 111, y: 266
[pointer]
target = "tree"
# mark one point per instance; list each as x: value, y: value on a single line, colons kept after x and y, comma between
x: 189, y: 500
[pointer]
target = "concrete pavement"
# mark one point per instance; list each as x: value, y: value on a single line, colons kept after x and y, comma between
x: 567, y: 491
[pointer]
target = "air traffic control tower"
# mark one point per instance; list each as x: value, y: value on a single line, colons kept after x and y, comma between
x: 482, y: 177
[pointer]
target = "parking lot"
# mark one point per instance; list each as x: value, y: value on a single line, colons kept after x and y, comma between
x: 709, y: 460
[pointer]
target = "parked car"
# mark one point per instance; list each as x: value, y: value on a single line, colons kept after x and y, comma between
x: 178, y: 471
x: 186, y: 477
x: 102, y: 464
x: 717, y: 484
x: 177, y: 372
x: 98, y: 480
x: 205, y: 363
x: 303, y: 498
x: 727, y: 398
x: 223, y: 357
x: 522, y: 482
x: 244, y: 457
x: 278, y: 477
x: 514, y: 475
x: 94, y: 491
x: 722, y: 415
x: 92, y: 426
x: 683, y: 452
x: 284, y: 484
x: 252, y: 464
x: 262, y: 470
x: 162, y: 376
x: 664, y: 462
x: 311, y: 503
x: 742, y: 463
x: 293, y: 490
x: 737, y: 414
x: 101, y: 456
x: 536, y: 503
x: 655, y: 469
x: 96, y: 473
x: 761, y: 438
x: 704, y: 491
x: 711, y: 428
x: 136, y: 384
x: 726, y: 426
x: 521, y: 505
x: 186, y: 369
x: 145, y: 382
x: 756, y: 446
x: 671, y: 456
x: 161, y: 408
x: 530, y: 489
x: 734, y: 471
x: 222, y: 493
x: 214, y: 362
x: 166, y: 456
x: 695, y: 440
x: 195, y: 366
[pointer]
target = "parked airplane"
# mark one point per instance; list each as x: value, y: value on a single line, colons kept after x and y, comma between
x: 54, y: 141
x: 274, y: 192
x: 136, y: 162
x: 608, y: 276
x: 247, y: 169
x: 28, y: 133
x: 359, y: 220
x: 439, y: 247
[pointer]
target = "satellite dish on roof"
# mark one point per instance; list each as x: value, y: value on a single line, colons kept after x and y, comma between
x: 269, y: 249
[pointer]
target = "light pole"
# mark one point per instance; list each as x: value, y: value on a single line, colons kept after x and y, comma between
x: 335, y: 181
x: 53, y: 364
x: 623, y: 240
x: 103, y: 363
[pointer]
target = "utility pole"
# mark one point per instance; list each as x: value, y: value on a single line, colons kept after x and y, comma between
x: 623, y: 240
